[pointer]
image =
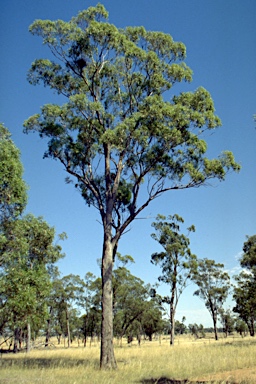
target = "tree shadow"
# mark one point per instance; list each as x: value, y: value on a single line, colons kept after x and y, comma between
x: 165, y: 380
x: 39, y: 363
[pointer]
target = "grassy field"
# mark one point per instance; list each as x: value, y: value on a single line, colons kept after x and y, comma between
x: 231, y: 360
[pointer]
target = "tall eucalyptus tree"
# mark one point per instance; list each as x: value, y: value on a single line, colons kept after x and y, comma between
x: 119, y: 140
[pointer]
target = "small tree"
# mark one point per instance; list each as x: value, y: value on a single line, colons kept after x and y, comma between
x: 197, y: 330
x: 151, y: 319
x: 118, y: 139
x: 29, y: 255
x: 245, y: 287
x: 67, y: 292
x: 27, y: 249
x: 244, y: 295
x: 241, y: 327
x: 213, y: 287
x: 130, y: 296
x: 177, y: 262
x: 227, y: 320
x: 91, y: 306
x: 180, y: 327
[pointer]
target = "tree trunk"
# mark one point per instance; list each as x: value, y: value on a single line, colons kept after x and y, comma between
x: 28, y: 345
x: 250, y: 325
x: 214, y: 317
x: 107, y: 358
x: 68, y: 328
x: 47, y: 336
x: 172, y: 327
x: 172, y: 305
x: 16, y: 338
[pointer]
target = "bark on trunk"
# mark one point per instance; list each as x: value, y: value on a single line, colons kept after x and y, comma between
x: 47, y: 336
x: 173, y: 306
x: 250, y: 325
x: 107, y: 358
x: 16, y: 338
x: 28, y: 345
x: 215, y: 326
x: 68, y: 328
x: 172, y: 327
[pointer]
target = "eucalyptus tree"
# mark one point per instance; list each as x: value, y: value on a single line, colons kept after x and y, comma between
x: 130, y: 299
x: 197, y: 330
x: 244, y: 292
x: 151, y: 320
x: 13, y: 189
x: 241, y: 327
x: 120, y: 141
x: 228, y: 321
x: 91, y: 305
x: 244, y: 295
x: 29, y: 254
x: 248, y: 258
x: 180, y: 327
x: 213, y: 287
x: 176, y: 261
x: 67, y: 293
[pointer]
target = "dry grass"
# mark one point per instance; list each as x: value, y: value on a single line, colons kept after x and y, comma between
x: 202, y: 360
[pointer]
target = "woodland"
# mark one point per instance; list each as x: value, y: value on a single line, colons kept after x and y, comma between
x: 122, y: 145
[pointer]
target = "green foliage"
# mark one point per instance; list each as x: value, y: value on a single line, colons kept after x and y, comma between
x: 116, y: 135
x: 28, y: 256
x: 197, y: 330
x: 241, y: 327
x: 134, y: 312
x: 31, y: 240
x: 180, y: 327
x: 213, y: 283
x: 116, y: 130
x: 248, y: 259
x: 67, y: 294
x: 213, y: 287
x: 227, y: 320
x: 151, y: 320
x: 129, y: 299
x: 176, y: 261
x: 23, y: 293
x: 245, y: 288
x: 244, y: 295
x: 13, y: 190
x: 27, y: 249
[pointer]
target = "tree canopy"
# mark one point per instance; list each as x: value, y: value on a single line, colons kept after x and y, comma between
x: 116, y: 131
x: 245, y: 287
x: 213, y: 287
x: 248, y: 259
x: 28, y: 255
x: 27, y: 249
x: 176, y: 261
x: 13, y: 189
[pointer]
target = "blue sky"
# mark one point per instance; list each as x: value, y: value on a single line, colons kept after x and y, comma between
x: 220, y: 37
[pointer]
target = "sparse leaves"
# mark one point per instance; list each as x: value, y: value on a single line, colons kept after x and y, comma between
x: 213, y: 287
x: 176, y: 261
